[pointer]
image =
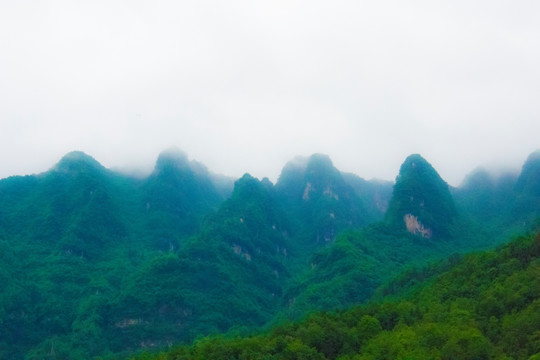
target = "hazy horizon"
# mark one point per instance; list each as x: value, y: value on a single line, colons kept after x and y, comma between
x: 245, y: 86
x: 142, y: 170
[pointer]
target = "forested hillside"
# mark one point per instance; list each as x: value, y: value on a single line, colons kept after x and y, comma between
x: 485, y: 306
x: 97, y: 263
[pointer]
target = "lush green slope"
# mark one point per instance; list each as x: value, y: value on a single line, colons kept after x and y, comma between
x: 94, y: 263
x: 318, y: 197
x: 505, y: 203
x: 230, y: 274
x: 527, y: 190
x: 102, y: 263
x: 73, y: 239
x: 376, y: 194
x: 421, y: 200
x: 487, y: 306
x: 421, y: 224
x: 486, y: 198
x: 174, y: 199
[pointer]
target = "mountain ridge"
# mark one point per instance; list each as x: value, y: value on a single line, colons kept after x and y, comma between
x: 100, y: 263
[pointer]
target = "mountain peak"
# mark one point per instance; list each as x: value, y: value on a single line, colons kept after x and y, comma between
x: 421, y: 201
x: 317, y: 168
x: 246, y: 179
x: 247, y: 185
x: 320, y: 162
x: 477, y: 179
x: 293, y: 169
x: 529, y: 179
x: 316, y: 191
x: 172, y: 157
x: 78, y: 161
x: 415, y: 166
x: 414, y: 161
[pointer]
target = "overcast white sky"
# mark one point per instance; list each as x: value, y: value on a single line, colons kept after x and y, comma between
x: 244, y: 86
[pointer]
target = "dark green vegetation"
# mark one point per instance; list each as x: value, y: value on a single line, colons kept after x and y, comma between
x: 95, y: 263
x: 484, y: 306
x: 421, y: 200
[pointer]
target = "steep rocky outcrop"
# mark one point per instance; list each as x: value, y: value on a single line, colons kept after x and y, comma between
x: 421, y: 201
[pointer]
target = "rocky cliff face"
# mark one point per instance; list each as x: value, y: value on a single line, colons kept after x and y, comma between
x: 416, y: 227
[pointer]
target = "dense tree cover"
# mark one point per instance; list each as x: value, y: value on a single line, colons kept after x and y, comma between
x: 485, y: 198
x: 324, y: 201
x: 505, y: 203
x: 95, y: 263
x: 486, y: 306
x: 527, y: 190
x: 420, y: 192
x: 73, y: 238
x: 375, y: 193
x: 229, y: 274
x: 358, y: 261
